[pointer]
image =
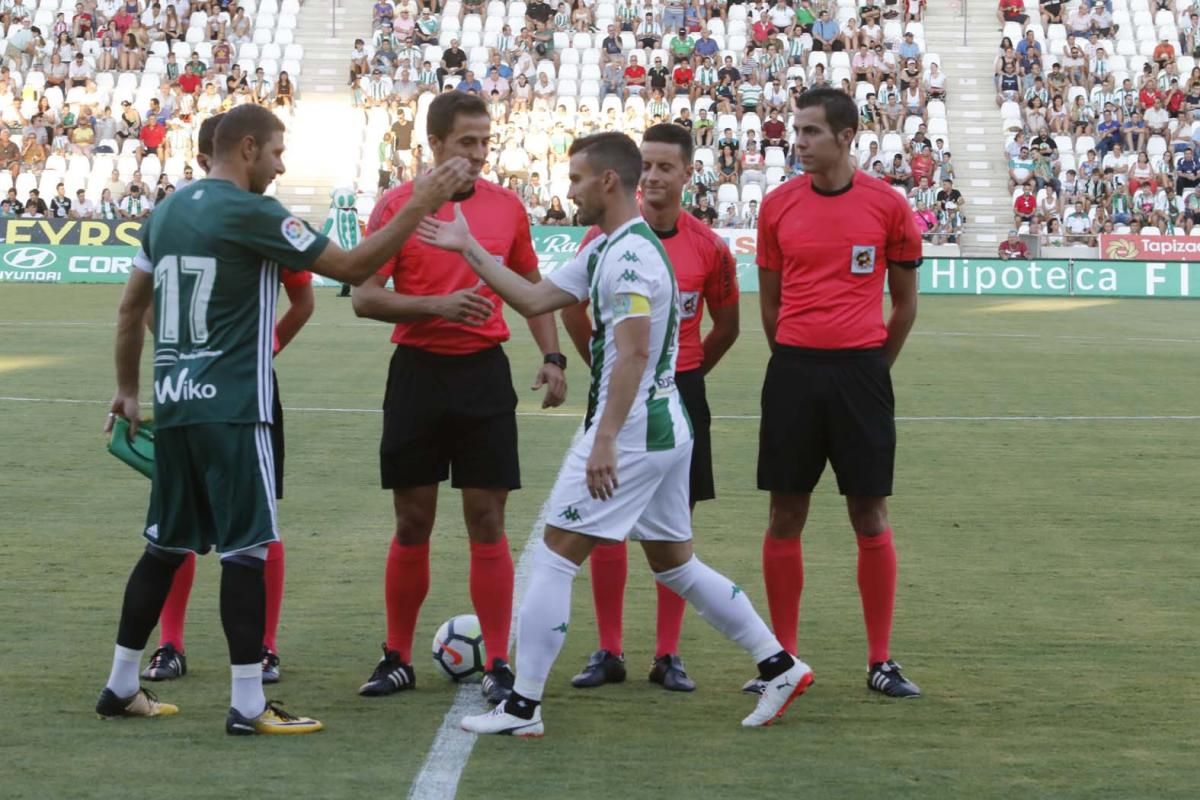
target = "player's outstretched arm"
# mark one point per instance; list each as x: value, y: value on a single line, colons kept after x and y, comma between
x: 902, y: 287
x: 131, y: 318
x: 430, y: 191
x: 632, y: 339
x: 529, y: 299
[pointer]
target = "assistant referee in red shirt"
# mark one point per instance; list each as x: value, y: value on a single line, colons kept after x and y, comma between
x: 826, y: 241
x: 450, y: 410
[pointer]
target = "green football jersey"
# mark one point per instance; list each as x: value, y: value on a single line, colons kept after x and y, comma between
x: 215, y: 252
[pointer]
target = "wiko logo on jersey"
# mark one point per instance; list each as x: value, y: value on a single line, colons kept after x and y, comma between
x: 297, y: 234
x: 183, y: 388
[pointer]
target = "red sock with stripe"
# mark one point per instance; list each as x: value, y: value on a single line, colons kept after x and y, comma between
x: 670, y: 621
x: 610, y: 569
x: 273, y: 577
x: 492, y: 594
x: 877, y: 588
x: 405, y: 584
x: 173, y: 617
x: 783, y: 574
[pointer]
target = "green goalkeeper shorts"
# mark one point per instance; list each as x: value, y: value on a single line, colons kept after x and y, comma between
x: 213, y: 487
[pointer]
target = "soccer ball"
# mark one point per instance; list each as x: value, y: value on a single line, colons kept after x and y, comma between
x: 458, y: 649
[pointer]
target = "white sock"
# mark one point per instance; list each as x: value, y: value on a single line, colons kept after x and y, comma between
x: 247, y: 694
x: 123, y: 680
x: 542, y: 620
x: 722, y: 604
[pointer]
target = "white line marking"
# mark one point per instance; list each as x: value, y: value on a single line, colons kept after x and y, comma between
x: 933, y: 334
x: 575, y: 416
x: 443, y: 767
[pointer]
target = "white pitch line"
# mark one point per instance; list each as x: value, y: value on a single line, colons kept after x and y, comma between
x: 572, y: 415
x: 451, y: 748
x: 932, y: 334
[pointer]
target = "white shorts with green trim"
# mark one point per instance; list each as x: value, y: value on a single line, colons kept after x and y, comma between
x: 649, y: 504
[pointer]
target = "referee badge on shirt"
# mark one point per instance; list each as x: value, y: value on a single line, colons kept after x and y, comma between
x: 689, y: 302
x: 862, y: 259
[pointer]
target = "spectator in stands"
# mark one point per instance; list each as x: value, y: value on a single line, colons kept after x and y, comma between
x: 471, y: 85
x: 1187, y: 171
x: 1156, y: 119
x: 1142, y: 173
x: 1134, y: 132
x: 825, y: 34
x: 106, y: 209
x: 704, y: 212
x: 1012, y: 247
x: 555, y: 215
x: 635, y: 78
x: 152, y: 136
x: 1025, y: 205
x: 649, y: 33
x: 1012, y: 11
x: 1078, y: 225
x: 729, y: 166
x: 285, y: 92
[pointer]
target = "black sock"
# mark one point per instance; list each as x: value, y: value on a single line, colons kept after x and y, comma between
x: 776, y: 665
x: 145, y: 594
x: 520, y: 706
x: 243, y: 610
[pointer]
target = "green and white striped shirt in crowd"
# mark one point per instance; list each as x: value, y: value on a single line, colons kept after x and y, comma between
x: 796, y: 47
x: 706, y: 177
x: 504, y: 43
x: 750, y: 94
x: 657, y: 108
x: 628, y: 13
x: 427, y: 76
x: 775, y: 65
x: 706, y: 76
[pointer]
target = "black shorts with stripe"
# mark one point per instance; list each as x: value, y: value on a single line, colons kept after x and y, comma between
x: 277, y: 437
x: 695, y: 400
x: 449, y: 416
x: 827, y: 405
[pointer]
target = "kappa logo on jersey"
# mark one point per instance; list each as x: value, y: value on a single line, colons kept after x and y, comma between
x: 689, y: 304
x: 297, y: 234
x: 862, y: 259
x: 570, y: 514
x: 630, y: 256
x: 629, y: 276
x: 182, y: 388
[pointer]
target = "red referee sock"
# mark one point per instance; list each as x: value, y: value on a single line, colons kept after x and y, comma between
x: 174, y: 612
x: 877, y: 587
x: 405, y: 584
x: 783, y: 574
x: 273, y: 577
x: 491, y: 594
x: 610, y: 568
x: 670, y: 621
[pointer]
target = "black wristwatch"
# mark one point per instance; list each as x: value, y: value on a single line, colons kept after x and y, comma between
x: 557, y: 359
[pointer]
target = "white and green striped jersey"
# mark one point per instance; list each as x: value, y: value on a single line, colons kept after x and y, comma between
x: 625, y: 275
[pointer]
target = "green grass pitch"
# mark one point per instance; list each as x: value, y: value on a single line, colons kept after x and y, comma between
x: 1048, y: 605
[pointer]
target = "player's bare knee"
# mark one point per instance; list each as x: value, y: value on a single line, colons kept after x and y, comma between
x: 868, y: 515
x: 664, y: 556
x: 483, y: 513
x: 789, y: 512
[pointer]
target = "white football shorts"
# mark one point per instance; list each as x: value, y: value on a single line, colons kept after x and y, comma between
x: 649, y: 504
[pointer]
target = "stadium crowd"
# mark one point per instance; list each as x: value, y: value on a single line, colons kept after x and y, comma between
x: 101, y: 100
x: 729, y: 72
x: 1099, y: 102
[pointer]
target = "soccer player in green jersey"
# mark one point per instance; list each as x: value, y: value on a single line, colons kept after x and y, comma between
x: 209, y: 263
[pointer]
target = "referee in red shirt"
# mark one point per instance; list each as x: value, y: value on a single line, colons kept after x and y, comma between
x: 707, y: 274
x: 450, y: 409
x: 826, y: 241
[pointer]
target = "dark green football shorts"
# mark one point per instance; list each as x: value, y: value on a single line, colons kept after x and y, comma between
x: 213, y: 487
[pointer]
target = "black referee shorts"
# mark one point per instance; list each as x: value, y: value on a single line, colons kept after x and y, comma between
x: 695, y: 400
x: 449, y: 417
x: 277, y: 437
x: 827, y: 405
